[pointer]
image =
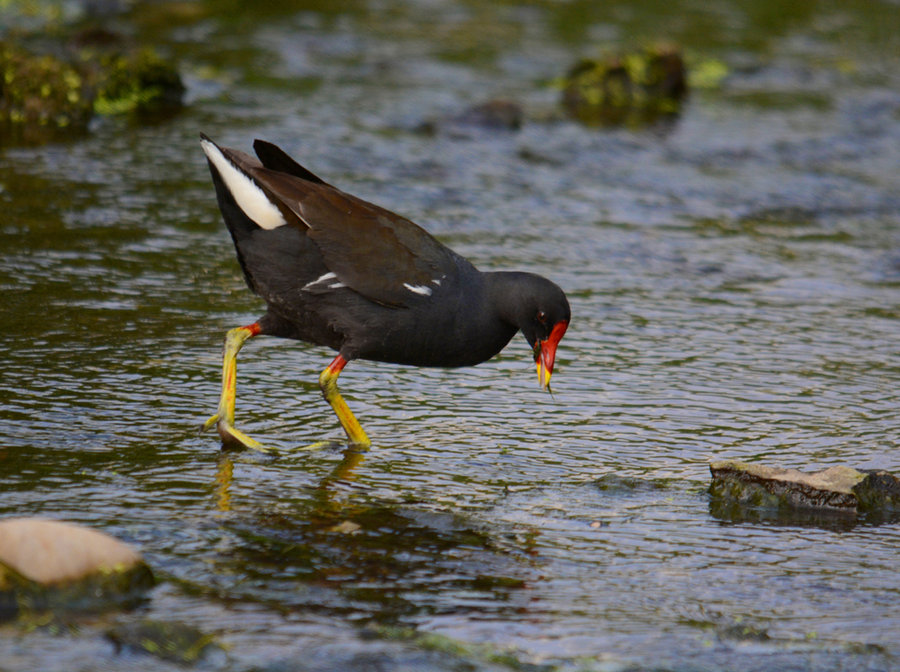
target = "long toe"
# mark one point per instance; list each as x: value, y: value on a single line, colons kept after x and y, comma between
x: 324, y: 444
x: 209, y: 424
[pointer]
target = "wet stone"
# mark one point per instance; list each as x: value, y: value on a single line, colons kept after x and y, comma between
x: 837, y: 490
x: 48, y: 564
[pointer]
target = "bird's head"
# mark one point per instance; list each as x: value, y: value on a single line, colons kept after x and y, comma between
x: 542, y: 314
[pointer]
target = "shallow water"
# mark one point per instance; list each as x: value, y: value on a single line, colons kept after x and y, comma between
x: 735, y: 285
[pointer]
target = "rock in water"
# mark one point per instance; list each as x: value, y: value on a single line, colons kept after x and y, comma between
x: 634, y: 89
x: 840, y: 489
x: 173, y: 641
x: 49, y: 564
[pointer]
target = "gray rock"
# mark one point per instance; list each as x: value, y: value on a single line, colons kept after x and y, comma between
x: 841, y: 490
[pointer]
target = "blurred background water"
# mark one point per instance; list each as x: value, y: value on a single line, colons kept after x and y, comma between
x: 734, y: 275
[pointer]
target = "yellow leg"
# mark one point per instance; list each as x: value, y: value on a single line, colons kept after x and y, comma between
x: 223, y: 420
x: 328, y: 383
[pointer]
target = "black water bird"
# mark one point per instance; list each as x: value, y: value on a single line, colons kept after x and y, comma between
x: 338, y: 271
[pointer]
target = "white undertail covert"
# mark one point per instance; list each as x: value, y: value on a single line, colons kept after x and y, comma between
x: 249, y: 197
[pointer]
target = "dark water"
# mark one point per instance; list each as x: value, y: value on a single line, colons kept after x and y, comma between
x: 735, y: 286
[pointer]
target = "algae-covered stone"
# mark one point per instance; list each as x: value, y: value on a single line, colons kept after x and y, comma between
x: 136, y: 82
x: 41, y: 97
x: 172, y: 641
x: 634, y: 88
x: 48, y: 564
x: 839, y: 490
x: 46, y: 97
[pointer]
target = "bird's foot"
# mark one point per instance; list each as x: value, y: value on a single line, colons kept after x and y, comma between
x: 232, y: 437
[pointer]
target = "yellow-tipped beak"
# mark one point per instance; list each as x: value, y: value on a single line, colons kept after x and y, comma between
x: 543, y: 373
x: 545, y: 354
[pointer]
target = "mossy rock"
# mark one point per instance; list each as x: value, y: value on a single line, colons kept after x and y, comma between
x: 741, y: 488
x: 53, y: 565
x: 48, y: 97
x: 136, y: 82
x: 41, y: 97
x: 634, y: 88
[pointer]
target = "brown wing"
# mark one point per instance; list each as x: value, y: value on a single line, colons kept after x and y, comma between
x: 377, y: 253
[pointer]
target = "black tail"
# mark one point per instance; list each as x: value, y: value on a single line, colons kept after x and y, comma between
x: 275, y: 158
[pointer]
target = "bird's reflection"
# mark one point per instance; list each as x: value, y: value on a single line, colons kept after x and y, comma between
x: 338, y: 548
x: 224, y: 476
x: 345, y: 471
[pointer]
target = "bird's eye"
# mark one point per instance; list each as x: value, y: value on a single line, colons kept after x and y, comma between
x: 542, y: 317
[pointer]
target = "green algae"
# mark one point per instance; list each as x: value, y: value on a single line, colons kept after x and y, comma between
x: 112, y: 587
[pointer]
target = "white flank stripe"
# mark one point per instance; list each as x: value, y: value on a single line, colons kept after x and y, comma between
x: 418, y: 289
x: 321, y: 278
x: 249, y: 197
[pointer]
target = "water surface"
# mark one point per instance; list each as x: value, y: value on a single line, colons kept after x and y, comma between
x: 735, y: 285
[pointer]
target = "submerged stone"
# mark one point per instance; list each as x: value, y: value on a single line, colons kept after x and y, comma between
x: 498, y: 114
x: 49, y: 564
x: 171, y: 641
x: 493, y: 116
x: 456, y: 654
x: 837, y: 490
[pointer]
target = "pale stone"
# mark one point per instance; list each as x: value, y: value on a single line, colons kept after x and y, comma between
x: 52, y: 552
x: 839, y: 488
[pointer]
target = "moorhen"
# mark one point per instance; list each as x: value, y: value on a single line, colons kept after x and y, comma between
x: 337, y: 271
